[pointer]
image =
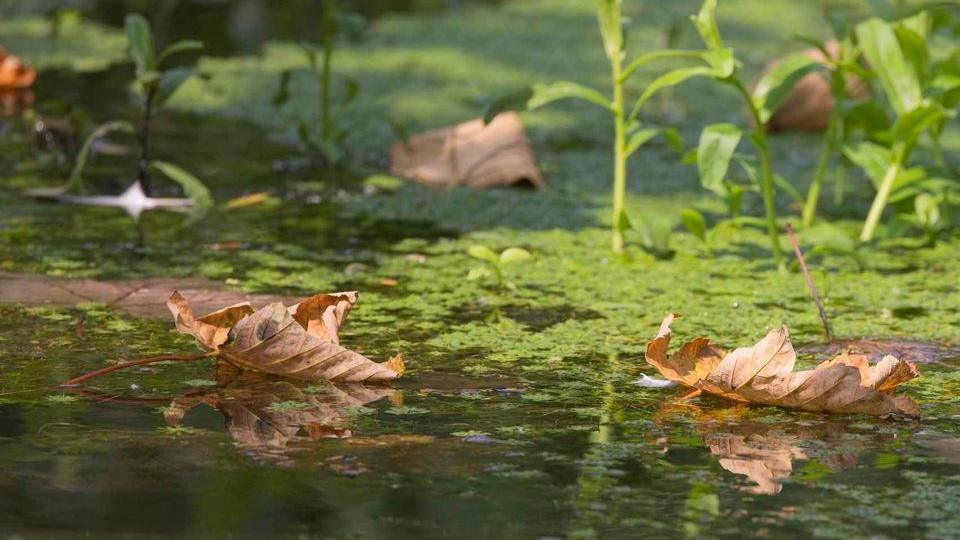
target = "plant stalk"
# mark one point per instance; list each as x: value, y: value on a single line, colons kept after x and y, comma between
x: 619, y: 155
x: 811, y: 286
x: 759, y: 140
x: 813, y: 194
x: 880, y: 201
x: 328, y: 31
x: 143, y: 137
x: 840, y: 182
x: 132, y: 363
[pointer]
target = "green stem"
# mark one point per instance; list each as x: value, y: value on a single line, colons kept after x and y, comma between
x: 328, y: 31
x: 759, y: 140
x: 840, y: 182
x: 880, y: 201
x: 813, y: 194
x: 619, y: 156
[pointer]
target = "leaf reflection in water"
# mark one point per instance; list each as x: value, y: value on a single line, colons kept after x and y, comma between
x: 267, y: 417
x: 765, y: 453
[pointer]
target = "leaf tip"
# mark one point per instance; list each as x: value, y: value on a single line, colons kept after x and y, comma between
x: 396, y: 364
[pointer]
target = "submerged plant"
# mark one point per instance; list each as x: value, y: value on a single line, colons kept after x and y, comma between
x: 628, y: 132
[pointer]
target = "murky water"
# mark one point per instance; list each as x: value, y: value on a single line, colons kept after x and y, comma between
x: 183, y: 449
x: 516, y: 433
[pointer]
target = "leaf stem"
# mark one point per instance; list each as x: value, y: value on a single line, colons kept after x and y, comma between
x: 813, y: 194
x: 880, y: 201
x: 619, y: 155
x: 759, y: 140
x: 133, y: 363
x: 328, y: 23
x: 143, y: 165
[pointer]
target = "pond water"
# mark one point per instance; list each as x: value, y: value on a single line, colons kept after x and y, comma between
x: 519, y: 415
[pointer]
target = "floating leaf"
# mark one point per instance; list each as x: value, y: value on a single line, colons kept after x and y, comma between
x: 764, y: 374
x: 300, y: 342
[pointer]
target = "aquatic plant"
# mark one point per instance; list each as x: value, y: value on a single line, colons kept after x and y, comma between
x: 923, y: 95
x: 496, y: 264
x: 327, y: 142
x: 719, y: 141
x: 843, y: 67
x: 155, y: 86
x: 628, y: 132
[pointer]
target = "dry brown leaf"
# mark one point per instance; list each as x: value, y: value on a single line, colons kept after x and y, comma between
x: 470, y: 154
x: 300, y: 341
x: 764, y: 374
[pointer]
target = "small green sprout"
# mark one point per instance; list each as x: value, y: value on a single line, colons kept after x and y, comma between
x: 496, y: 264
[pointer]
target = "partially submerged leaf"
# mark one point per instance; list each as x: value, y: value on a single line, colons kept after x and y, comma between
x: 300, y: 342
x: 764, y: 374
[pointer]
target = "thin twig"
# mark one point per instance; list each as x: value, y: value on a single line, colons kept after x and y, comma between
x: 810, y: 285
x: 132, y: 363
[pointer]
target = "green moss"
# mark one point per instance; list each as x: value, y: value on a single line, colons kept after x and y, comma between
x: 75, y: 44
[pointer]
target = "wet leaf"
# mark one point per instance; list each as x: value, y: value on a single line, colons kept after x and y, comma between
x: 300, y: 342
x: 764, y: 374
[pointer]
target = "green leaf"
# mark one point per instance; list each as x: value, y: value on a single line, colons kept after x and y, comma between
x: 875, y: 160
x: 191, y: 185
x: 706, y: 23
x: 872, y: 158
x: 478, y: 273
x: 539, y: 95
x: 722, y: 61
x: 638, y: 138
x: 76, y: 174
x: 555, y: 91
x: 651, y: 57
x: 140, y: 43
x: 611, y: 27
x: 882, y: 50
x: 775, y: 86
x: 787, y: 187
x: 718, y: 142
x: 654, y: 236
x: 671, y: 78
x: 674, y: 139
x: 170, y: 81
x: 867, y: 116
x: 484, y: 254
x: 912, y: 124
x: 513, y: 255
x: 184, y: 45
x: 914, y: 46
x: 927, y: 209
x: 694, y: 222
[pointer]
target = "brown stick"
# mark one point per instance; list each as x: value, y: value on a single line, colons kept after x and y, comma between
x: 132, y: 363
x: 810, y: 285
